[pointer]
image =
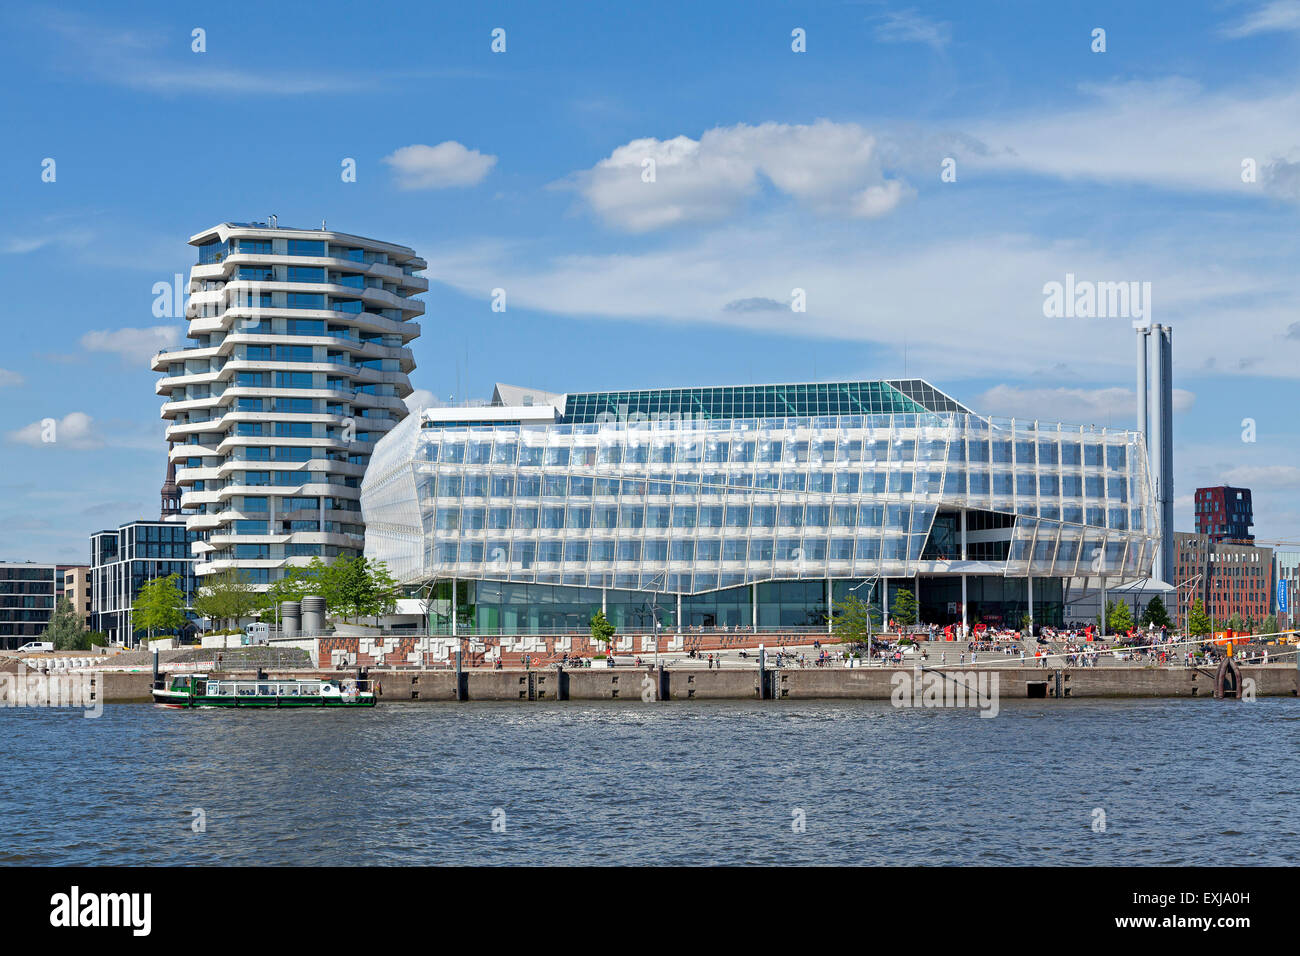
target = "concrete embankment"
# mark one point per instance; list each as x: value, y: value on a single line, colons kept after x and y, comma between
x: 808, y: 683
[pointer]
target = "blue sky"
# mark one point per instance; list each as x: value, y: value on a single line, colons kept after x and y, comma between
x: 775, y: 170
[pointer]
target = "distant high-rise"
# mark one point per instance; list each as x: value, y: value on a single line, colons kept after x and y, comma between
x: 299, y: 365
x: 1225, y: 513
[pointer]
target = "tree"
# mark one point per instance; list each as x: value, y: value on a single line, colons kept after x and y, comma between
x: 1268, y: 625
x: 66, y: 630
x: 160, y: 605
x: 1156, y: 614
x: 384, y: 590
x: 852, y: 620
x: 296, y: 583
x: 1119, y: 619
x: 226, y: 596
x: 356, y: 588
x: 1198, y: 622
x: 602, y: 631
x: 904, y: 609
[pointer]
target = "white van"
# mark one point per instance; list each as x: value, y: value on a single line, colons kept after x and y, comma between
x: 37, y: 647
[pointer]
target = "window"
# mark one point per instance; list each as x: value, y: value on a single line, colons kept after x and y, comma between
x: 304, y: 300
x: 306, y: 247
x: 293, y: 380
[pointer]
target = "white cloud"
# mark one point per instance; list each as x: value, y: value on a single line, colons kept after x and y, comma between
x: 908, y: 26
x: 438, y: 167
x: 8, y: 377
x: 68, y: 238
x: 1262, y: 476
x: 1171, y: 134
x: 134, y: 345
x: 74, y: 430
x: 146, y: 60
x: 963, y: 305
x: 1076, y: 405
x: 1279, y: 16
x: 419, y: 400
x: 831, y: 167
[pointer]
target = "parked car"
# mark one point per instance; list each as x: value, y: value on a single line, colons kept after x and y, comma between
x: 37, y: 647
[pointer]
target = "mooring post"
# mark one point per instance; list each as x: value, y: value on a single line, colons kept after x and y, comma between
x: 661, y: 688
x: 155, y: 667
x: 762, y: 672
x: 460, y: 677
x: 561, y: 683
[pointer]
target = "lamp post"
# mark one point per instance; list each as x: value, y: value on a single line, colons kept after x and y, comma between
x: 854, y: 588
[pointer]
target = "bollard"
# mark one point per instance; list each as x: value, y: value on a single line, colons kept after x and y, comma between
x: 662, y: 686
x: 460, y: 677
x: 155, y: 667
x: 762, y: 672
x: 561, y: 683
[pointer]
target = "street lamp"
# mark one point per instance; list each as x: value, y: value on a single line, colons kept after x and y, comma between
x: 854, y: 588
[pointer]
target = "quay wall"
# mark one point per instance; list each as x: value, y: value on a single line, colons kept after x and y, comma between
x: 811, y: 683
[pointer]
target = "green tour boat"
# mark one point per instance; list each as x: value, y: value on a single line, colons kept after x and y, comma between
x: 200, y: 690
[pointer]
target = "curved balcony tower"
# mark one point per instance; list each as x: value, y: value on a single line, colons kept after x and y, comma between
x: 298, y: 363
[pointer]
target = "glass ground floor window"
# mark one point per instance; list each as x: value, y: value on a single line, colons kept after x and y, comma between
x: 492, y: 607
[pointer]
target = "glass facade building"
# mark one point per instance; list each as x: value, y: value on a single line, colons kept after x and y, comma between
x: 751, y: 507
x: 299, y: 365
x: 27, y: 593
x: 123, y: 561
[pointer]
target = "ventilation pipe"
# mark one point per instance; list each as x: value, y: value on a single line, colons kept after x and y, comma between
x: 289, y: 623
x: 313, y: 614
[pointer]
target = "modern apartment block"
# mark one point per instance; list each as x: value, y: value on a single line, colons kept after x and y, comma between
x: 123, y: 561
x: 76, y: 588
x: 1225, y: 513
x: 1230, y: 579
x: 26, y: 601
x: 299, y: 364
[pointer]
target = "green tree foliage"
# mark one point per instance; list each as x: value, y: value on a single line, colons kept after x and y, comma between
x: 602, y: 630
x: 226, y: 597
x: 1155, y: 613
x: 353, y: 588
x: 361, y: 588
x: 160, y: 606
x: 293, y: 586
x: 1198, y: 622
x: 851, y: 621
x: 1119, y: 619
x: 66, y: 629
x: 904, y: 608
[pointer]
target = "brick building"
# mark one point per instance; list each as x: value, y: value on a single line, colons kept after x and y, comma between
x: 1230, y: 579
x: 1224, y: 513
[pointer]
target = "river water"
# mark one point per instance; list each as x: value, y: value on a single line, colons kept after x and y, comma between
x: 1179, y: 782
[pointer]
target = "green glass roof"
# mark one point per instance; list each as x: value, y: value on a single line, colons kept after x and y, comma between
x: 809, y: 400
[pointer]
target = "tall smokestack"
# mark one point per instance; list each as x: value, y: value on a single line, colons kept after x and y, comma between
x: 1142, y: 424
x: 1160, y: 445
